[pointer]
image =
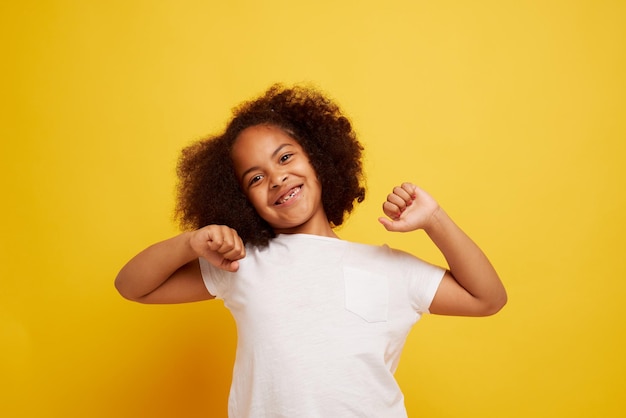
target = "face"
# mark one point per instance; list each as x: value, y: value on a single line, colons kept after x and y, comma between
x: 277, y: 178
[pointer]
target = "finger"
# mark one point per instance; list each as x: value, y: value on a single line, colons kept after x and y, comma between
x: 226, y: 242
x: 230, y: 245
x: 397, y: 200
x: 386, y: 223
x: 410, y: 188
x: 229, y: 265
x: 406, y: 192
x: 389, y: 224
x: 215, y: 241
x: 236, y: 252
x: 392, y: 210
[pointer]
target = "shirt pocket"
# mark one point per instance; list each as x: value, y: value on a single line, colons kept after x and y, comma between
x: 367, y: 294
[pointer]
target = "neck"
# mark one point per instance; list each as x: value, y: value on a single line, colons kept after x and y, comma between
x: 321, y: 231
x: 318, y: 225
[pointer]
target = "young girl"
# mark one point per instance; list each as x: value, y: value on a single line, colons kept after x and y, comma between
x: 321, y: 321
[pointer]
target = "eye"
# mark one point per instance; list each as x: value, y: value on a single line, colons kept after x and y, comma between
x: 255, y: 179
x: 285, y: 157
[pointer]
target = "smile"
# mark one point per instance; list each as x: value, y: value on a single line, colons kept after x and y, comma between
x: 288, y: 196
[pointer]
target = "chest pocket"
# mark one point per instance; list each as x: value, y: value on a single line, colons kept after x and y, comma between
x: 367, y: 294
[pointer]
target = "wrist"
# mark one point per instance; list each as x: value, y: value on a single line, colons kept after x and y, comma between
x: 187, y: 246
x: 437, y: 222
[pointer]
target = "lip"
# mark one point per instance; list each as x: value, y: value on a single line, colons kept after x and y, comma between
x: 285, y: 192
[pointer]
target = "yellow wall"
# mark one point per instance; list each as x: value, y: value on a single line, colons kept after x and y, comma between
x: 512, y: 113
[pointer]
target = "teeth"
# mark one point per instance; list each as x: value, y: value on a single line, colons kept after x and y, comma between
x: 289, y: 196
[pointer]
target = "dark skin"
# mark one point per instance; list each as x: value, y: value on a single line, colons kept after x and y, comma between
x: 209, y: 193
x: 169, y: 272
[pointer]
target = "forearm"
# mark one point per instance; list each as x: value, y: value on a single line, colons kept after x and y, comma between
x: 152, y: 267
x: 468, y: 264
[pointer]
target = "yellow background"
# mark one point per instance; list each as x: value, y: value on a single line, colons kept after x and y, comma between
x: 511, y: 113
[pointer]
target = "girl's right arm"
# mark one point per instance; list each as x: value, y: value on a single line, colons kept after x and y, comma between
x: 169, y: 272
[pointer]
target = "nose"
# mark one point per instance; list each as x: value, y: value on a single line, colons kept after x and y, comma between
x: 278, y: 179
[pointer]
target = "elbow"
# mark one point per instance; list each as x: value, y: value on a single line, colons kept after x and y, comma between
x: 121, y: 290
x: 496, y: 304
x: 124, y: 291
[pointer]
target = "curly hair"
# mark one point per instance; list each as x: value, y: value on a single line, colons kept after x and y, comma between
x: 209, y: 192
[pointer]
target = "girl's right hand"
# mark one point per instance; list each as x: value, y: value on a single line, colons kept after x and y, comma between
x: 220, y: 245
x: 409, y: 208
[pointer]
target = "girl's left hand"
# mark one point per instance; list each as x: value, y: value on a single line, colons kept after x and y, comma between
x: 409, y: 208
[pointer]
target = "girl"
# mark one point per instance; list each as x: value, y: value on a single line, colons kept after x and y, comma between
x: 321, y: 322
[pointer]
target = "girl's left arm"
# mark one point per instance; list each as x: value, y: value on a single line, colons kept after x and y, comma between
x: 471, y: 286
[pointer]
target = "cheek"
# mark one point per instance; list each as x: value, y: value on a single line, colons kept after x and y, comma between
x: 255, y: 198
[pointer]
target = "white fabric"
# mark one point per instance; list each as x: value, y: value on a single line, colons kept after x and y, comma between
x: 321, y: 323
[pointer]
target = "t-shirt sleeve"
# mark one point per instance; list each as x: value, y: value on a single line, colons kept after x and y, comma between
x: 423, y: 280
x: 425, y: 286
x: 214, y: 279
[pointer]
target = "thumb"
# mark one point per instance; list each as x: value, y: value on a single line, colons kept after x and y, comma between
x: 228, y: 265
x: 387, y: 223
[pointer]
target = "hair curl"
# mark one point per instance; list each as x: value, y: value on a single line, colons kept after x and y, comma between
x: 208, y: 190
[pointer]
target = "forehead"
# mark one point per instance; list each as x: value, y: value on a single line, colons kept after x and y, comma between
x: 260, y: 141
x: 262, y: 132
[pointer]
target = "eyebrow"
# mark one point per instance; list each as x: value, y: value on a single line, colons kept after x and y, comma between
x: 274, y: 154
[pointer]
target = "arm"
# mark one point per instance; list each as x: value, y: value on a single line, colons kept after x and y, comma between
x: 471, y: 287
x: 169, y: 272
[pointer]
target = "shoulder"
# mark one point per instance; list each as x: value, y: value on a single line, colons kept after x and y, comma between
x: 389, y: 259
x: 376, y: 250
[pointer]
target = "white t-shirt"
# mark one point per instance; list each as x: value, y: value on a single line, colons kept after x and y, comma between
x: 321, y: 323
